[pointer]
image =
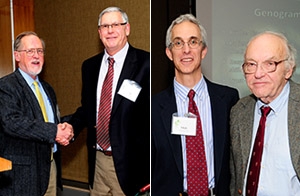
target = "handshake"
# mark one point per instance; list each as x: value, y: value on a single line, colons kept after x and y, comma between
x: 64, y: 133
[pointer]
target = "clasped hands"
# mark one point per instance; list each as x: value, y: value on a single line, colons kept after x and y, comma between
x: 64, y: 134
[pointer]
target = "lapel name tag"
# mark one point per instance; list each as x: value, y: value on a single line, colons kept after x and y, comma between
x: 130, y: 90
x: 184, y: 125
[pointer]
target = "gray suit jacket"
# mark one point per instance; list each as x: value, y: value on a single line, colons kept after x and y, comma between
x: 242, y: 117
x: 25, y: 138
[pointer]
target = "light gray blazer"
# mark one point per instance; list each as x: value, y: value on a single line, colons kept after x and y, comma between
x: 241, y: 122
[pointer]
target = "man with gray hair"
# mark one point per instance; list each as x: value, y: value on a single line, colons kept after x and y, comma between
x: 265, y: 125
x: 30, y: 128
x: 115, y: 108
x: 190, y: 121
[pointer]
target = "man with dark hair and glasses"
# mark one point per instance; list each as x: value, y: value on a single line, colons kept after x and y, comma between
x: 179, y: 132
x: 115, y: 108
x: 265, y: 125
x: 30, y: 130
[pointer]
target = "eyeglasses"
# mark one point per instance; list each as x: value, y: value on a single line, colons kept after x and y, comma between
x: 268, y: 66
x: 116, y: 25
x: 31, y: 52
x: 179, y: 43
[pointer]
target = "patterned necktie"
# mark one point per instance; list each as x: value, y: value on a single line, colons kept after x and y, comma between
x: 197, y: 179
x: 254, y: 168
x: 105, y: 108
x: 40, y: 100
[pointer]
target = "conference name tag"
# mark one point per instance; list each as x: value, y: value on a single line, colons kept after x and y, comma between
x: 130, y: 90
x: 184, y: 125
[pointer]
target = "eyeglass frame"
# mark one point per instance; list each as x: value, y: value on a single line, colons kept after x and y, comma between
x: 172, y: 44
x: 39, y: 51
x: 114, y: 25
x: 276, y: 63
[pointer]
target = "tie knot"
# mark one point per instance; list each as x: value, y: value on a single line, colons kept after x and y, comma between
x: 111, y: 61
x: 191, y: 94
x: 265, y: 110
x: 35, y: 83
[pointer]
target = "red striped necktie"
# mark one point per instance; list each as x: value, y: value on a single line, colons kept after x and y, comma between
x: 104, y: 111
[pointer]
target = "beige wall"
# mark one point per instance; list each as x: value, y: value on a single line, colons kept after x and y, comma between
x: 69, y: 29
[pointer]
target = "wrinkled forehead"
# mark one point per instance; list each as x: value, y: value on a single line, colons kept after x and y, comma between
x: 265, y: 46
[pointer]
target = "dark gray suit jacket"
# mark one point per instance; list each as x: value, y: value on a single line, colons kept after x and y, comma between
x: 242, y: 117
x: 25, y: 138
x: 166, y: 149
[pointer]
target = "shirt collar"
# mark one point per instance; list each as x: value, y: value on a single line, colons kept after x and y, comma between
x: 119, y: 56
x: 278, y: 103
x: 28, y: 78
x: 181, y: 91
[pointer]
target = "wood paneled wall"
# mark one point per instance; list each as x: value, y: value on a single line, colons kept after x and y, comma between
x: 23, y: 20
x: 23, y: 16
x: 5, y: 39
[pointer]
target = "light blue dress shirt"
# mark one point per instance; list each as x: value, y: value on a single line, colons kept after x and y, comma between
x: 277, y: 174
x: 203, y: 103
x: 47, y: 102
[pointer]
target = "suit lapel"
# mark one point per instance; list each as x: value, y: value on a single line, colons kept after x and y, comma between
x: 29, y: 95
x: 219, y: 123
x: 247, y: 124
x: 128, y: 70
x: 169, y: 107
x: 294, y: 125
x: 53, y: 104
x: 90, y: 74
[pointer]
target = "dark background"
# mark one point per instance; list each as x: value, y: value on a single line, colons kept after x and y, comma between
x: 163, y: 12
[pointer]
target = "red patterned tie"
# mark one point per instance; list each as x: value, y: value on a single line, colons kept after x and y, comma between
x: 254, y: 168
x: 105, y: 108
x: 197, y: 180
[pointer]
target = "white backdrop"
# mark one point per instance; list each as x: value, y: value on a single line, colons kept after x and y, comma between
x: 231, y: 23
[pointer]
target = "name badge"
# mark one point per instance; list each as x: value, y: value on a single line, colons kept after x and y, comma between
x: 184, y: 125
x: 130, y: 90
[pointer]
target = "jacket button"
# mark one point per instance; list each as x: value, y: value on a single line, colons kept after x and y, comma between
x: 240, y: 191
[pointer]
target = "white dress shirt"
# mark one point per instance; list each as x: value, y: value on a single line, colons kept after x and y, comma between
x: 119, y: 58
